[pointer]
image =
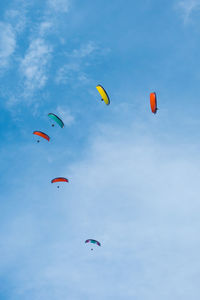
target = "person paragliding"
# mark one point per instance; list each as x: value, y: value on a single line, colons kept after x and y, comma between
x: 41, y: 134
x: 103, y: 93
x: 56, y: 119
x: 91, y: 241
x: 59, y: 179
x: 153, y: 103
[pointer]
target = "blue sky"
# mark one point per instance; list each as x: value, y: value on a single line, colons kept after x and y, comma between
x: 133, y: 177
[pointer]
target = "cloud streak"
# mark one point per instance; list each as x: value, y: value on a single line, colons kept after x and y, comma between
x: 7, y: 43
x: 59, y: 5
x: 74, y: 72
x: 188, y: 7
x: 37, y: 60
x: 85, y: 50
x: 35, y: 63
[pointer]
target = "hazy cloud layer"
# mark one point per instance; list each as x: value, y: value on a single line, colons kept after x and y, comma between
x: 140, y: 199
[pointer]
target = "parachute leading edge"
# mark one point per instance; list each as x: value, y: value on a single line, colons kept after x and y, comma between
x: 103, y: 94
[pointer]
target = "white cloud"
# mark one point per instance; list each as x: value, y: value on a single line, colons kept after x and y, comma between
x: 188, y: 7
x: 17, y: 17
x: 45, y: 27
x: 65, y: 72
x: 7, y: 43
x: 72, y: 74
x: 35, y: 63
x: 73, y: 71
x: 59, y: 5
x: 66, y: 115
x: 85, y: 50
x: 34, y: 66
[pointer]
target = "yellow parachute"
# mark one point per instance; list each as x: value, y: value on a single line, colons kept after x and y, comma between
x: 104, y: 95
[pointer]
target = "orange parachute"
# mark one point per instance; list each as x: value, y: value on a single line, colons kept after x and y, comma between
x: 153, y: 103
x: 42, y: 134
x: 59, y: 179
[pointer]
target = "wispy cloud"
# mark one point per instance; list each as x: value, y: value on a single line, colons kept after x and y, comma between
x: 45, y: 28
x: 14, y: 23
x: 85, y: 50
x: 37, y: 60
x: 59, y: 5
x: 188, y: 7
x: 65, y: 115
x: 74, y: 70
x: 72, y: 73
x: 17, y: 16
x: 7, y: 43
x: 35, y: 63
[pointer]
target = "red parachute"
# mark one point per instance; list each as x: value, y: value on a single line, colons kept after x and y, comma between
x: 41, y: 134
x: 59, y: 179
x: 153, y: 103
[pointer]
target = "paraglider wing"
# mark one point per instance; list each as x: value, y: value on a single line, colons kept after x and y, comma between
x: 42, y: 134
x: 103, y: 94
x: 93, y: 242
x: 59, y: 179
x: 56, y: 119
x: 153, y: 103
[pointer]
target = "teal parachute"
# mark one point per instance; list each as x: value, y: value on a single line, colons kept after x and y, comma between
x: 56, y: 119
x: 93, y: 242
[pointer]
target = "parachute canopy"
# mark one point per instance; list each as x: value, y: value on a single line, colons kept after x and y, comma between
x: 93, y: 242
x: 59, y: 179
x: 56, y: 119
x: 42, y: 134
x: 153, y: 103
x: 104, y: 95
